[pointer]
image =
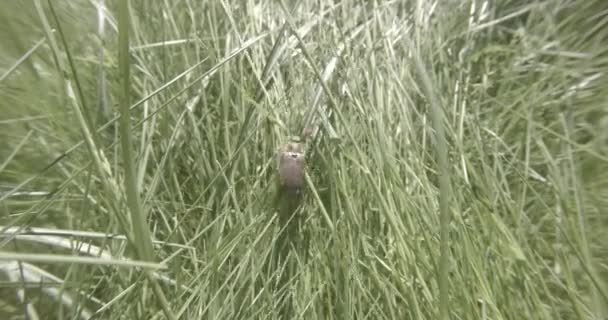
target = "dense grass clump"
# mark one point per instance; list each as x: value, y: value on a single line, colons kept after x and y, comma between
x: 458, y: 167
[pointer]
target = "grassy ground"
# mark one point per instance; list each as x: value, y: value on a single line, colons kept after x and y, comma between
x: 460, y: 169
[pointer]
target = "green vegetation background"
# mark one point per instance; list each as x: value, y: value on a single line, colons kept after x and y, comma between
x: 216, y: 87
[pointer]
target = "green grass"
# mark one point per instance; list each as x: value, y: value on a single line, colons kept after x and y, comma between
x: 460, y: 169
